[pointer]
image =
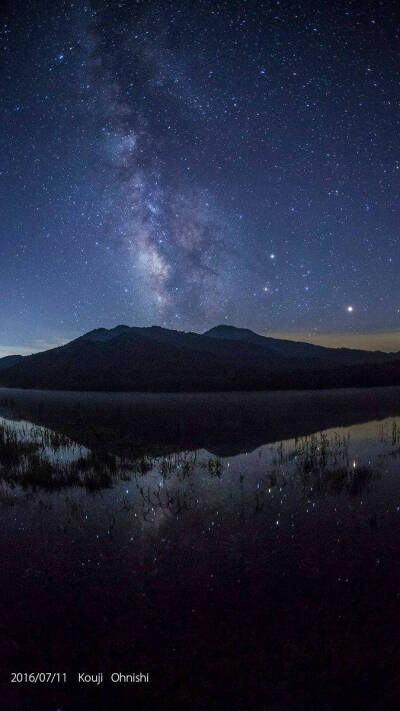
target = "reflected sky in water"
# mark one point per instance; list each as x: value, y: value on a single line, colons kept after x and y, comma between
x: 242, y: 576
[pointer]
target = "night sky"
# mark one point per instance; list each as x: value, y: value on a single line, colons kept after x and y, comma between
x: 193, y: 163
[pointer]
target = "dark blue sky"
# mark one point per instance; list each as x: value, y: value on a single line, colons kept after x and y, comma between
x: 188, y: 164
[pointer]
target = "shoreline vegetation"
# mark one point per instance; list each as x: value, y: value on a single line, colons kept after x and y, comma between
x: 91, y: 443
x: 36, y: 458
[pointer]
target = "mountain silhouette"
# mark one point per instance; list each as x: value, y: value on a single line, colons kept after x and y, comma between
x: 7, y: 361
x: 307, y: 352
x: 224, y: 358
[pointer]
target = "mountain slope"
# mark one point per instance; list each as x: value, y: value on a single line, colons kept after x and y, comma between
x: 140, y: 359
x: 8, y: 361
x: 225, y: 358
x: 297, y: 349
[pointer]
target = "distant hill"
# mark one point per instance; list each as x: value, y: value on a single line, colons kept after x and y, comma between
x: 224, y: 358
x: 7, y: 361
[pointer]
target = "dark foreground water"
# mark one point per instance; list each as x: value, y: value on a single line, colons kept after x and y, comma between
x: 241, y: 549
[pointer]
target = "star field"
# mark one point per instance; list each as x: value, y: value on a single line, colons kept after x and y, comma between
x: 187, y: 164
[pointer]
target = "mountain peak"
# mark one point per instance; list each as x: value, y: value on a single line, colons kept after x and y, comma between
x: 225, y: 357
x: 104, y: 334
x: 229, y: 331
x: 118, y: 330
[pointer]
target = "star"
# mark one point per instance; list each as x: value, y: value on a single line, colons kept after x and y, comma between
x: 175, y: 148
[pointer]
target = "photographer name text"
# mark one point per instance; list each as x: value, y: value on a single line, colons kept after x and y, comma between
x: 96, y: 679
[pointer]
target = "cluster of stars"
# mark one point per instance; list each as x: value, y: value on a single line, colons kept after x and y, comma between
x: 189, y: 161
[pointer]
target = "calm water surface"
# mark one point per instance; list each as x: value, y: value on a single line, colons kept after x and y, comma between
x: 243, y: 549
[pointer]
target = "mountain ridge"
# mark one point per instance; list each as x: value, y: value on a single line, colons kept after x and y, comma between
x: 223, y: 358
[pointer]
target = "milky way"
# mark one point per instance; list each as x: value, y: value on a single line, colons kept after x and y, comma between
x: 187, y: 164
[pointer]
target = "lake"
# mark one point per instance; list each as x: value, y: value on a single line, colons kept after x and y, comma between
x: 242, y: 549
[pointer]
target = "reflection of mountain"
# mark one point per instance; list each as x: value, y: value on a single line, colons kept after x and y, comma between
x: 222, y: 423
x: 224, y: 358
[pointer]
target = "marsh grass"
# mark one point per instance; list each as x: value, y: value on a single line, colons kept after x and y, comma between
x: 323, y: 464
x: 35, y: 457
x: 25, y: 461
